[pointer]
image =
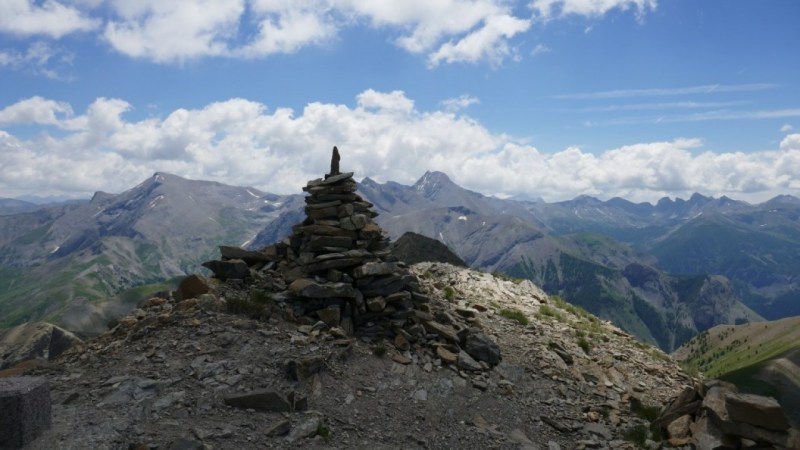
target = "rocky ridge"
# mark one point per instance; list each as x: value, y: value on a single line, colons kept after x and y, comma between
x: 189, y: 374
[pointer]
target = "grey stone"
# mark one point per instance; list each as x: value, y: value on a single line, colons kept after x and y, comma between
x: 331, y: 315
x: 444, y: 331
x: 306, y: 428
x: 261, y: 399
x: 483, y: 348
x: 278, y: 428
x: 376, y: 304
x: 306, y: 287
x: 764, y: 412
x: 231, y: 269
x: 374, y: 269
x: 597, y: 429
x: 466, y: 362
x: 24, y: 410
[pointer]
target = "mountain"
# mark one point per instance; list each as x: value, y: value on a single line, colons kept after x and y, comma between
x: 761, y: 358
x: 652, y: 269
x: 13, y: 206
x: 538, y: 242
x: 64, y: 258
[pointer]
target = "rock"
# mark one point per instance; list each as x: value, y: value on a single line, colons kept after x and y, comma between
x: 305, y: 287
x: 764, y: 412
x: 467, y: 363
x: 35, y: 340
x: 302, y: 368
x: 331, y: 315
x: 706, y: 435
x: 597, y: 429
x: 249, y: 257
x: 376, y: 304
x: 278, y: 428
x: 193, y: 286
x: 679, y: 428
x: 231, y: 269
x: 482, y: 348
x: 442, y: 330
x: 400, y: 359
x: 307, y: 427
x: 372, y: 269
x: 24, y: 410
x: 262, y: 400
x: 446, y: 355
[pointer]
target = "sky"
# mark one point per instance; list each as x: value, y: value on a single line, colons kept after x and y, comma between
x: 553, y: 99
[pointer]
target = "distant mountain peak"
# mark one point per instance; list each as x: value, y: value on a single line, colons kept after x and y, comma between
x: 432, y: 182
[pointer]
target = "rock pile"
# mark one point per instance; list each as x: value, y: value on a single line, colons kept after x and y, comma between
x: 336, y: 268
x: 713, y: 415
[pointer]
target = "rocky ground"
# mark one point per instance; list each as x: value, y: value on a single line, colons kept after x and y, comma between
x: 189, y: 375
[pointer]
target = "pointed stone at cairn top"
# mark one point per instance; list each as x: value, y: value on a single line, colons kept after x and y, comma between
x: 334, y: 163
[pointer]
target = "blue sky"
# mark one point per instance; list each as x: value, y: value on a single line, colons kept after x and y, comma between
x: 551, y: 98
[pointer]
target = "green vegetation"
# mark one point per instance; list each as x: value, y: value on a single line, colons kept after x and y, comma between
x: 379, y: 350
x: 256, y: 304
x: 547, y: 311
x: 449, y: 293
x: 514, y: 314
x: 504, y: 277
x: 584, y: 345
x: 637, y: 434
x: 715, y: 352
x: 323, y: 432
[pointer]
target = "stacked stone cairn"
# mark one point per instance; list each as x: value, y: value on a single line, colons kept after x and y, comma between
x: 337, y: 269
x: 714, y: 415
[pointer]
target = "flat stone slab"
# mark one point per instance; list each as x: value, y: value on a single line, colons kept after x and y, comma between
x: 24, y: 410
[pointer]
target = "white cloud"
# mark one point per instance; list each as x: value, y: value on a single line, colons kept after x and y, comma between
x: 657, y: 92
x: 791, y: 142
x: 383, y: 136
x: 40, y: 58
x: 393, y: 101
x: 590, y: 8
x: 35, y: 110
x: 488, y: 43
x: 540, y: 49
x: 786, y: 128
x: 174, y: 30
x: 459, y: 103
x: 51, y: 18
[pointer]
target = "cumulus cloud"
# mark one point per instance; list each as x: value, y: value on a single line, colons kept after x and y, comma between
x: 590, y: 8
x: 50, y: 18
x: 488, y: 43
x: 173, y: 30
x: 382, y: 135
x: 35, y: 110
x: 786, y: 128
x: 443, y: 31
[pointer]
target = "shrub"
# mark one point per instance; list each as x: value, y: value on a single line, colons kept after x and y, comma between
x: 257, y: 304
x: 449, y: 293
x: 585, y: 345
x: 514, y: 314
x: 379, y: 350
x: 637, y: 434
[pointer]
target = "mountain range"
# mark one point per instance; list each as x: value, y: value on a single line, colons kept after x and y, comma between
x: 662, y: 272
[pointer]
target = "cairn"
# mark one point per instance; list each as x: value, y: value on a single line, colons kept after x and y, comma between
x: 336, y: 267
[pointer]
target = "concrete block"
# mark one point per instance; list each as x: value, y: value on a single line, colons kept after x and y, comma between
x: 24, y: 410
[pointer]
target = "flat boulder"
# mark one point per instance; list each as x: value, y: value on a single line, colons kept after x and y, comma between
x: 306, y: 287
